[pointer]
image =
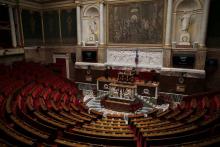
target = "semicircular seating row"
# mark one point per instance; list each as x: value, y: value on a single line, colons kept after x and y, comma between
x: 39, y: 108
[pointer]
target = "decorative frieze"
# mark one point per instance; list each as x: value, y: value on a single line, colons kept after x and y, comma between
x: 148, y: 58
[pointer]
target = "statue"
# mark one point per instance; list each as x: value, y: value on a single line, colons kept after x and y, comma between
x: 185, y: 22
x: 92, y: 26
x: 92, y: 30
x: 184, y: 27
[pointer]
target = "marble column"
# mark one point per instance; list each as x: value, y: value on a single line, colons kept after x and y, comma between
x: 200, y: 59
x: 78, y: 13
x: 78, y: 54
x: 67, y: 66
x: 12, y: 24
x: 101, y: 53
x: 204, y: 22
x: 101, y: 21
x: 167, y: 56
x: 169, y: 23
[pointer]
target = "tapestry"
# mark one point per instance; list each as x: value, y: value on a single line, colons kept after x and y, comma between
x: 51, y: 26
x: 32, y: 29
x: 136, y: 22
x: 69, y: 26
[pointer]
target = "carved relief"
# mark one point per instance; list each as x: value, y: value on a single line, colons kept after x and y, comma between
x: 126, y: 57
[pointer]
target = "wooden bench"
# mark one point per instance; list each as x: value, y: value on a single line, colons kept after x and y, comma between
x: 43, y: 105
x: 178, y: 140
x: 103, y: 134
x: 197, y: 116
x: 102, y: 140
x: 34, y: 122
x: 108, y: 125
x: 69, y: 116
x: 88, y: 115
x: 29, y: 104
x: 120, y: 130
x: 74, y: 107
x: 77, y: 115
x: 20, y: 138
x: 165, y: 133
x: 70, y: 143
x: 61, y: 119
x: 164, y: 127
x: 97, y: 113
x: 8, y: 105
x: 54, y: 106
x: 143, y: 125
x: 29, y: 129
x: 164, y: 113
x: 184, y: 115
x: 49, y: 121
x: 173, y: 114
x: 154, y: 121
x: 64, y: 107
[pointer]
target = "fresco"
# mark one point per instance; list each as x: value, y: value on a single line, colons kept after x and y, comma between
x: 136, y: 22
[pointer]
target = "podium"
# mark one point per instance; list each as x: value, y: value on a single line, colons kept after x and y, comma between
x: 123, y: 92
x: 143, y: 88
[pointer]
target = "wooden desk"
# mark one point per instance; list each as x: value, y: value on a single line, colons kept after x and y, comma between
x: 121, y: 105
x: 150, y: 88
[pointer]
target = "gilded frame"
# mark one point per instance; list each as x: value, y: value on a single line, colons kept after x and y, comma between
x: 139, y: 2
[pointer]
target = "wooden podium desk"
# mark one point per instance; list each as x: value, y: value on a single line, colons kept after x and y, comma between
x: 143, y: 88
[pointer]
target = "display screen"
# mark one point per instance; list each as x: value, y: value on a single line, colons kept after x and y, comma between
x: 89, y: 56
x: 183, y: 60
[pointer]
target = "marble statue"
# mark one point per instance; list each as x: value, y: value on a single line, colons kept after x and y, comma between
x: 93, y: 30
x: 185, y: 20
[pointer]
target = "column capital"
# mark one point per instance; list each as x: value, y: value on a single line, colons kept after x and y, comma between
x: 101, y: 1
x: 78, y: 3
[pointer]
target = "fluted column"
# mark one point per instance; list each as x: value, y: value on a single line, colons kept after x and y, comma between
x: 12, y: 24
x: 169, y: 23
x: 78, y: 15
x: 101, y: 22
x: 204, y: 22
